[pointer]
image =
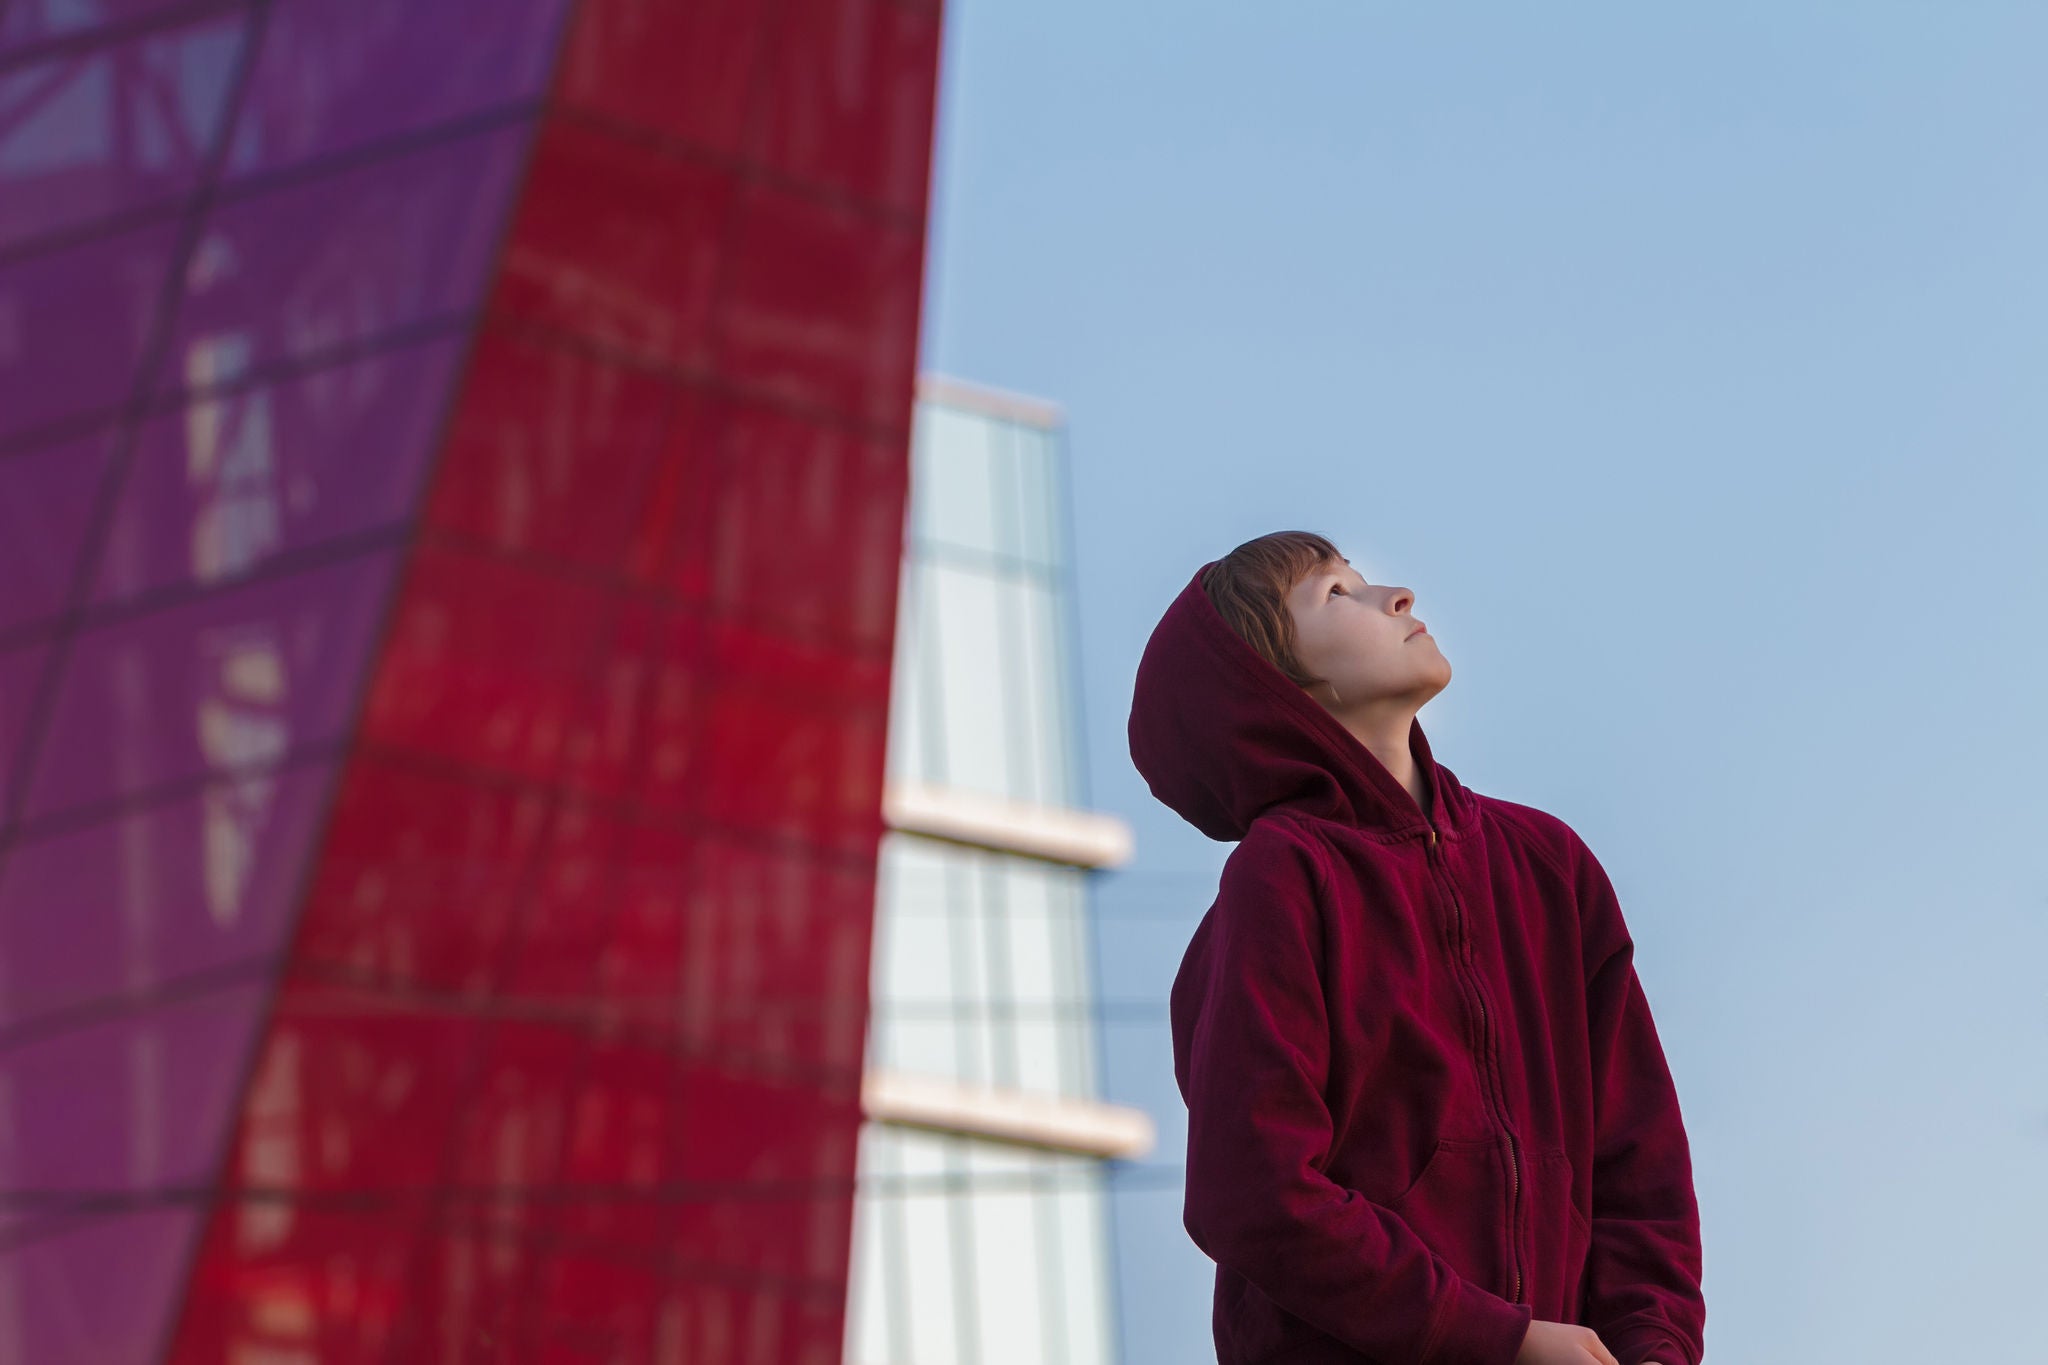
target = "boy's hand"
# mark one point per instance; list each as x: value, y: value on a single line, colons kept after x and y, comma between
x: 1562, y: 1343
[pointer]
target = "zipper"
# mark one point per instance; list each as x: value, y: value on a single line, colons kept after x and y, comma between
x: 1514, y: 1148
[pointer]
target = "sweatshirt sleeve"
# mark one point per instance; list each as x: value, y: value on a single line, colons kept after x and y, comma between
x: 1642, y: 1287
x: 1251, y: 1042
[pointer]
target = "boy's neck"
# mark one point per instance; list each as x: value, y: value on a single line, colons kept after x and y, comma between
x: 1385, y: 733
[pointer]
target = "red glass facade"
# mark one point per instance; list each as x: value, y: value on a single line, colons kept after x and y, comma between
x: 452, y: 469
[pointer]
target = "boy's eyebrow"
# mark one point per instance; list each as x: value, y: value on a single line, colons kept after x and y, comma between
x: 1332, y: 573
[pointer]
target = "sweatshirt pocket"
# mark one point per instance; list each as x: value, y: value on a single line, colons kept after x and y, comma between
x: 1457, y: 1205
x: 1262, y: 1330
x: 1559, y: 1238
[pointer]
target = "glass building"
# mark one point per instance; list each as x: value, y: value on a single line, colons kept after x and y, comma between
x: 453, y: 456
x: 981, y: 1228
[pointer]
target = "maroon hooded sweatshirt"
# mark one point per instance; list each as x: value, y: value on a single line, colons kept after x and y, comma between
x: 1426, y: 1101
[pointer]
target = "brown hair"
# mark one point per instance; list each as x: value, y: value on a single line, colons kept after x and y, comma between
x: 1250, y: 585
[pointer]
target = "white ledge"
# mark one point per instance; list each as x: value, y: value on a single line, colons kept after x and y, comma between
x: 989, y: 401
x: 1055, y: 833
x: 1046, y: 1122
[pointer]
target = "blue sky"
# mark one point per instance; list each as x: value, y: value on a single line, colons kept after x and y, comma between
x: 1689, y: 365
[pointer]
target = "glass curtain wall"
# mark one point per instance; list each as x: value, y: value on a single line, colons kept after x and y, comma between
x: 968, y: 1250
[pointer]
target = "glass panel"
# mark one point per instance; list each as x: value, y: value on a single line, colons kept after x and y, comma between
x: 980, y: 1064
x: 1023, y: 718
x: 916, y: 876
x: 1085, y: 1271
x: 46, y: 499
x: 1029, y: 939
x: 930, y: 665
x: 236, y: 678
x: 1042, y: 712
x: 336, y: 74
x: 995, y: 995
x: 90, y: 308
x: 977, y: 940
x: 115, y: 130
x: 1037, y: 471
x: 138, y: 1102
x: 919, y: 1043
x: 868, y: 1282
x: 1038, y: 1031
x: 1074, y: 988
x: 915, y: 960
x: 21, y: 25
x: 162, y: 891
x: 21, y: 677
x: 999, y: 1165
x: 103, y: 1290
x: 342, y: 258
x: 953, y: 479
x: 967, y: 906
x: 927, y: 959
x: 218, y: 488
x: 1077, y: 1051
x: 917, y: 500
x: 969, y: 640
x: 1004, y: 484
x: 909, y: 698
x: 1067, y: 901
x: 1009, y: 1290
x: 927, y: 1160
x: 928, y: 1270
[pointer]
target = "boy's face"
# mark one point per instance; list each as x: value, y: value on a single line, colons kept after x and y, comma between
x: 1361, y: 637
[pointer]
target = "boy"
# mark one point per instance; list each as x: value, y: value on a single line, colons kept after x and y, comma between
x: 1429, y: 1117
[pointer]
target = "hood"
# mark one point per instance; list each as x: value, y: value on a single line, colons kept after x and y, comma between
x: 1221, y: 736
